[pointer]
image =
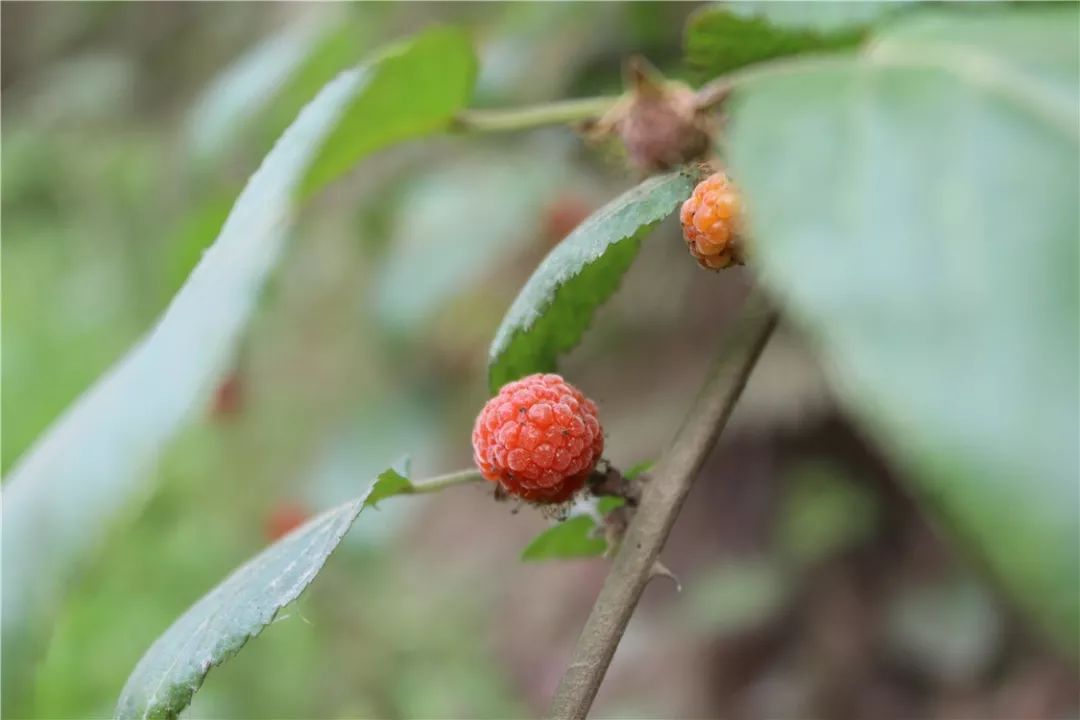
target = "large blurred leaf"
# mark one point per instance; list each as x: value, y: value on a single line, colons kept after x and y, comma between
x: 916, y: 210
x: 247, y: 86
x: 556, y: 305
x: 62, y: 496
x: 726, y: 36
x: 219, y: 624
x: 415, y: 88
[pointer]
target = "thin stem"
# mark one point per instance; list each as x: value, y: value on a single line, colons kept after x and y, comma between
x: 569, y: 111
x: 441, y: 482
x: 636, y: 560
x: 716, y: 90
x: 556, y: 113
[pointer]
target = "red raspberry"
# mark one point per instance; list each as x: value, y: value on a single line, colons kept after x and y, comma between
x: 712, y: 222
x: 539, y: 438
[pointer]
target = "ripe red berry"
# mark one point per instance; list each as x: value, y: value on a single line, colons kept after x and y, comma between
x: 712, y: 223
x: 539, y: 438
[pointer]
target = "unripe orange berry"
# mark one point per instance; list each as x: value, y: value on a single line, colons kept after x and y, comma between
x: 712, y: 223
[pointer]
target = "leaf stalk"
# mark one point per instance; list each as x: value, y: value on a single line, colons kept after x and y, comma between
x: 524, y: 118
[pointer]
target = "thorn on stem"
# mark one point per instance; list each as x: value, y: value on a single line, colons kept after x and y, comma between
x: 659, y: 569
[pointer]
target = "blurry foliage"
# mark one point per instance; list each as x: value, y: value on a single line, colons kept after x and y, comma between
x: 823, y: 512
x: 885, y: 264
x: 948, y: 630
x: 461, y: 218
x: 727, y: 36
x: 106, y: 209
x: 735, y: 596
x: 118, y: 171
x: 241, y: 606
x: 68, y: 489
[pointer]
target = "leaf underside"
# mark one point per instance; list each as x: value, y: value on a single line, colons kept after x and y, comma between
x: 217, y: 626
x: 915, y: 209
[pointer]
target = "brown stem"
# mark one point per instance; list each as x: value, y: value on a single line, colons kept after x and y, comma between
x: 637, y: 557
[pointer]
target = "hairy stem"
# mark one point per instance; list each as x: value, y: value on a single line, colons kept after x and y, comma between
x: 555, y: 113
x: 636, y: 561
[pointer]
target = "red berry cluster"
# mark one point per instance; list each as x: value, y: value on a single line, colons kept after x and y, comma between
x: 539, y: 438
x: 711, y: 223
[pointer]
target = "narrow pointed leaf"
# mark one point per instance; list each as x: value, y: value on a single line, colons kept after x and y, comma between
x: 556, y: 305
x: 218, y: 625
x: 247, y: 86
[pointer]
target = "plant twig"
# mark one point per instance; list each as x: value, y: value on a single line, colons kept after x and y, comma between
x: 555, y: 113
x: 636, y: 560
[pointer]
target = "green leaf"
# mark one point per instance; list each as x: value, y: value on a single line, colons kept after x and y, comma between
x: 262, y: 98
x: 720, y: 38
x: 915, y: 209
x: 575, y: 537
x: 389, y: 484
x: 217, y: 626
x: 639, y: 469
x: 571, y: 538
x: 413, y: 89
x: 193, y: 235
x: 62, y: 496
x: 556, y: 305
x: 607, y: 503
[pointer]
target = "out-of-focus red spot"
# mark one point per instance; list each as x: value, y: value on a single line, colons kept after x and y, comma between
x: 285, y: 517
x: 229, y: 397
x: 562, y: 215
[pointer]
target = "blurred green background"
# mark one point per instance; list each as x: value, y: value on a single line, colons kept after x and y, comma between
x: 811, y: 585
